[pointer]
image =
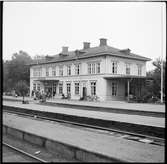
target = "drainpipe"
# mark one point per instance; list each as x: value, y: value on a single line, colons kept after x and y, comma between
x: 128, y: 90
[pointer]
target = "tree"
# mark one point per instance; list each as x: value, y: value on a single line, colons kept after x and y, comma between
x: 155, y: 86
x: 22, y: 88
x: 16, y: 69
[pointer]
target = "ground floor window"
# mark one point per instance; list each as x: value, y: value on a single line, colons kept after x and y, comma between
x: 76, y: 88
x: 61, y: 88
x: 54, y: 89
x: 93, y: 88
x: 114, y: 88
x: 34, y: 87
x: 38, y: 87
x: 68, y: 88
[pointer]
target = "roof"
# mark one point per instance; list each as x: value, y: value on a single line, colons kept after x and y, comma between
x: 90, y: 52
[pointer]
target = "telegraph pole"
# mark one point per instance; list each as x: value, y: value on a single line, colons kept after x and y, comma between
x: 162, y: 54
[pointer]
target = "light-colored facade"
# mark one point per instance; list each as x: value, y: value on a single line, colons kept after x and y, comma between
x: 102, y: 71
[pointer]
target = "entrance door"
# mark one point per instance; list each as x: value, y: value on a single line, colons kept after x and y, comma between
x: 84, y: 92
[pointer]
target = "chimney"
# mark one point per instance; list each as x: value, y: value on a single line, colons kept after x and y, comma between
x: 126, y: 51
x: 64, y: 50
x: 86, y: 45
x: 103, y: 42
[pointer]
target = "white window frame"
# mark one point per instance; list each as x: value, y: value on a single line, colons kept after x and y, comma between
x: 69, y: 70
x: 60, y: 70
x: 53, y: 71
x: 68, y: 85
x: 61, y: 88
x: 114, y: 88
x: 34, y: 86
x: 38, y: 87
x: 77, y: 69
x: 93, y: 86
x: 98, y: 67
x: 139, y: 68
x: 127, y: 68
x: 114, y: 67
x: 47, y: 71
x: 76, y: 88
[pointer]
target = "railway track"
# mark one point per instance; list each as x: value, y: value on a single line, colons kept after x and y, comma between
x: 24, y: 155
x: 115, y: 132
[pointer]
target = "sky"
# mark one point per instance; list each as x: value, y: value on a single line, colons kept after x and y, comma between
x: 43, y: 28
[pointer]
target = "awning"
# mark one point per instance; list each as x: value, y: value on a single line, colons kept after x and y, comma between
x: 47, y: 80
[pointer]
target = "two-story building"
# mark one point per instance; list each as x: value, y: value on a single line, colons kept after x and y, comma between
x: 109, y: 73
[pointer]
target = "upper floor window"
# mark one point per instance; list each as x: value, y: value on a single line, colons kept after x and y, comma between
x: 68, y: 70
x: 97, y: 67
x: 114, y: 88
x: 53, y: 71
x: 93, y: 68
x: 114, y: 67
x: 93, y: 88
x: 77, y: 69
x: 89, y: 68
x: 76, y: 88
x: 139, y: 70
x: 61, y: 71
x: 47, y: 71
x: 37, y: 72
x: 127, y: 68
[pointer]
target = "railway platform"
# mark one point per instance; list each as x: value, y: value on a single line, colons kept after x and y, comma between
x: 156, y: 110
x: 124, y: 118
x: 83, y: 144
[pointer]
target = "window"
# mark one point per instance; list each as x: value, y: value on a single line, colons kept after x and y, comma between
x: 54, y: 89
x: 77, y: 69
x: 93, y: 88
x: 38, y: 87
x: 68, y: 70
x: 114, y: 88
x: 68, y: 88
x: 61, y: 71
x: 34, y: 87
x: 37, y: 72
x: 60, y: 88
x: 89, y: 68
x: 76, y: 88
x: 97, y: 67
x: 93, y: 68
x: 47, y: 71
x: 114, y: 67
x: 128, y: 69
x: 139, y: 70
x: 53, y: 71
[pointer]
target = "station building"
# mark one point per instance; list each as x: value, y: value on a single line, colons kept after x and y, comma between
x: 104, y: 71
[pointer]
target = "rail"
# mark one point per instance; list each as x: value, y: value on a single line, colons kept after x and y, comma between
x: 24, y: 153
x: 131, y: 135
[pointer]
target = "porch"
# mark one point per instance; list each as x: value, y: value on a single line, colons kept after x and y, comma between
x: 124, y: 87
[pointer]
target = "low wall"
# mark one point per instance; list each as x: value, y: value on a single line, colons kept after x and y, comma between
x: 66, y: 150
